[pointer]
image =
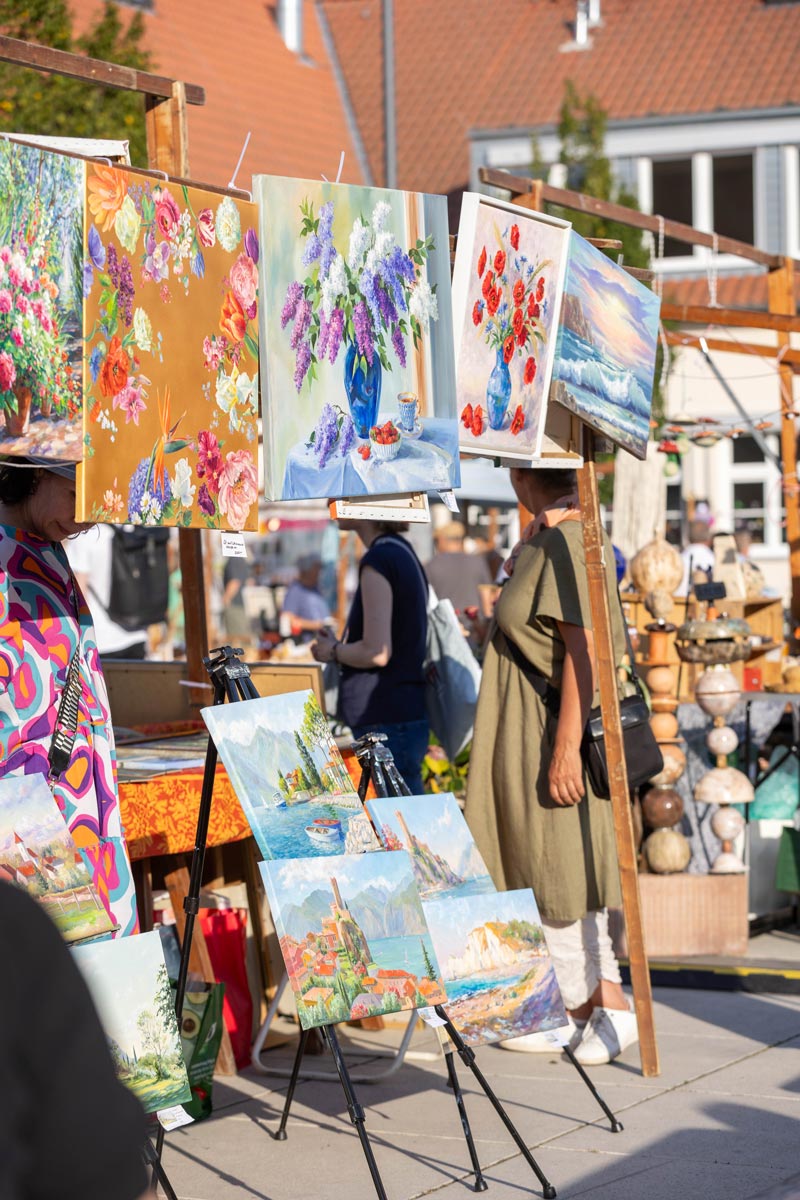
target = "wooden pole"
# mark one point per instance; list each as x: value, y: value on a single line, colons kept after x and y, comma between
x: 780, y: 290
x: 168, y: 150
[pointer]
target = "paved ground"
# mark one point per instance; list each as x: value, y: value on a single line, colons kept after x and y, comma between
x: 720, y: 1123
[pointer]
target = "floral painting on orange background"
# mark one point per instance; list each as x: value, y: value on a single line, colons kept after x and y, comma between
x: 170, y: 354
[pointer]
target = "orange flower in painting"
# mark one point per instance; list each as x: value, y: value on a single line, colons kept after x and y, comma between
x: 518, y: 422
x: 107, y: 190
x: 232, y: 319
x: 114, y: 371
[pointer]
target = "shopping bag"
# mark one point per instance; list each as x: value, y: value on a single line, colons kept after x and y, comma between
x: 225, y: 932
x: 452, y: 678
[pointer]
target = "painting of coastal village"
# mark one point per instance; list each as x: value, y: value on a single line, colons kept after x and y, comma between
x: 605, y: 353
x: 497, y: 972
x: 432, y: 829
x: 353, y: 936
x: 37, y: 853
x: 133, y: 997
x: 290, y: 777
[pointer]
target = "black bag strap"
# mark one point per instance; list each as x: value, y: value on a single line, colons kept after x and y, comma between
x: 66, y: 726
x: 549, y: 695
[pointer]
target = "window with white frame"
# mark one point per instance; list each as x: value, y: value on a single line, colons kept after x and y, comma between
x: 756, y: 498
x: 715, y: 192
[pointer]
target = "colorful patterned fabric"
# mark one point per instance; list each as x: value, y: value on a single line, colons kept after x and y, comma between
x: 43, y: 618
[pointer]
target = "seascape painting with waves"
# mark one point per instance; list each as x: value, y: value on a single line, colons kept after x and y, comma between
x: 606, y: 347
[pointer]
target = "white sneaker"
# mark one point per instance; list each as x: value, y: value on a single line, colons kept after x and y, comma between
x: 608, y: 1033
x: 548, y: 1042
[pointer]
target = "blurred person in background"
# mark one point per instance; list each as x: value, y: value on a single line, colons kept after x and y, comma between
x: 90, y: 558
x: 304, y: 610
x: 235, y: 575
x: 382, y: 684
x: 698, y: 557
x: 453, y: 574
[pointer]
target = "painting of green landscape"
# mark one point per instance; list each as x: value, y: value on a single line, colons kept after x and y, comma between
x: 497, y: 971
x: 132, y: 993
x: 37, y: 853
x: 353, y: 936
x: 289, y: 776
x: 432, y: 829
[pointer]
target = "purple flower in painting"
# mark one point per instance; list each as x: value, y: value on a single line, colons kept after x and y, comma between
x: 293, y: 294
x: 399, y: 345
x: 326, y: 259
x: 326, y: 221
x: 141, y: 486
x: 301, y: 323
x: 113, y: 265
x: 95, y: 363
x: 251, y: 245
x: 312, y: 251
x: 205, y: 501
x: 150, y: 241
x: 326, y: 434
x: 97, y: 251
x: 387, y: 309
x: 335, y: 333
x: 126, y: 291
x: 199, y: 265
x: 302, y: 363
x: 367, y: 284
x: 347, y: 435
x: 88, y: 276
x: 156, y: 264
x: 363, y: 328
x: 324, y: 333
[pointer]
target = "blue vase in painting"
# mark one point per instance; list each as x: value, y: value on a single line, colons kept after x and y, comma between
x: 498, y: 392
x: 363, y: 390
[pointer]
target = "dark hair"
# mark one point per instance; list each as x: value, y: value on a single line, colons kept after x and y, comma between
x: 18, y: 483
x: 392, y: 526
x: 559, y: 481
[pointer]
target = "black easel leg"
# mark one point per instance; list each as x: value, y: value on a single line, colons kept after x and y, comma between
x: 616, y: 1125
x: 280, y: 1133
x: 467, y: 1056
x: 354, y: 1108
x: 153, y: 1159
x: 480, y: 1184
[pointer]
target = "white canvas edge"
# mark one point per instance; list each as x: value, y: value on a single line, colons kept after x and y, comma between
x: 470, y: 202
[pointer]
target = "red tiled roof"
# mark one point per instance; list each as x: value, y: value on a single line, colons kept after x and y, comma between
x: 467, y: 64
x: 253, y: 82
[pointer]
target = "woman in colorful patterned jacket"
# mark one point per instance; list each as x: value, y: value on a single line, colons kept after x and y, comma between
x: 44, y: 623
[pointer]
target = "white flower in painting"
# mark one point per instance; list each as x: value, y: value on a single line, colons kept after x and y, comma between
x: 337, y: 274
x: 182, y: 483
x: 359, y: 240
x: 383, y: 244
x: 380, y: 215
x: 246, y: 392
x: 330, y: 295
x: 228, y: 225
x: 127, y: 224
x: 423, y: 303
x: 225, y: 393
x: 142, y: 330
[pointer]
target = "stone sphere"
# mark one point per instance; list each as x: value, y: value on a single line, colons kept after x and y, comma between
x: 727, y: 823
x: 662, y: 808
x: 660, y: 680
x: 667, y: 852
x: 664, y: 726
x: 657, y: 566
x: 717, y: 691
x: 674, y: 766
x: 722, y: 740
x: 724, y: 785
x: 728, y: 864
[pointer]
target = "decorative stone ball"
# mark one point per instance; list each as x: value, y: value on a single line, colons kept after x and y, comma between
x: 662, y: 808
x: 660, y: 679
x: 717, y: 691
x: 659, y: 604
x: 674, y: 766
x: 728, y: 864
x: 657, y: 566
x: 664, y: 726
x: 724, y: 785
x: 727, y: 823
x: 722, y: 740
x: 667, y: 852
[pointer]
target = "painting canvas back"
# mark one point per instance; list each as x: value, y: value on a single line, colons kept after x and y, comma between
x: 358, y: 373
x: 289, y: 776
x: 606, y: 348
x: 37, y: 852
x: 353, y: 936
x: 171, y: 354
x: 497, y: 972
x: 131, y: 990
x: 432, y: 829
x: 41, y: 302
x: 507, y: 284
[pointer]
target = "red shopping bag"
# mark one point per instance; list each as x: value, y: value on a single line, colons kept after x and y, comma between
x: 225, y: 931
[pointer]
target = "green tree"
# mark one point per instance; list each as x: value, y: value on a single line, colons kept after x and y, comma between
x: 309, y: 768
x: 430, y: 970
x: 51, y: 104
x: 283, y: 785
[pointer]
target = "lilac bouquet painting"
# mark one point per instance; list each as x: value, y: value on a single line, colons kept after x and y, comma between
x: 358, y: 379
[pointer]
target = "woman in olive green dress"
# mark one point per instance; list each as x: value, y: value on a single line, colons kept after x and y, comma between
x: 534, y: 817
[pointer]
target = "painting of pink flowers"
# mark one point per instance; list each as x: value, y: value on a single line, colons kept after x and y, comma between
x: 41, y: 231
x: 507, y: 286
x: 356, y: 324
x: 170, y: 409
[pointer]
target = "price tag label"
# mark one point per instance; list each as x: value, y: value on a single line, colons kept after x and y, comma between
x: 173, y: 1118
x: 449, y: 500
x: 233, y: 546
x: 431, y: 1017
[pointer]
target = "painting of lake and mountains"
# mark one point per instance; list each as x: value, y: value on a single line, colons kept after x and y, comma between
x: 606, y: 347
x: 289, y: 777
x: 132, y: 993
x: 37, y: 853
x: 497, y: 972
x: 353, y: 936
x: 432, y: 829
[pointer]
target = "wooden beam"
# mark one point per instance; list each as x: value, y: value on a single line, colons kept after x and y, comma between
x: 699, y: 314
x: 518, y: 186
x: 92, y: 70
x: 780, y: 290
x: 791, y: 358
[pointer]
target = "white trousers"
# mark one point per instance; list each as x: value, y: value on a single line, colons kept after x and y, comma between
x: 582, y: 955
